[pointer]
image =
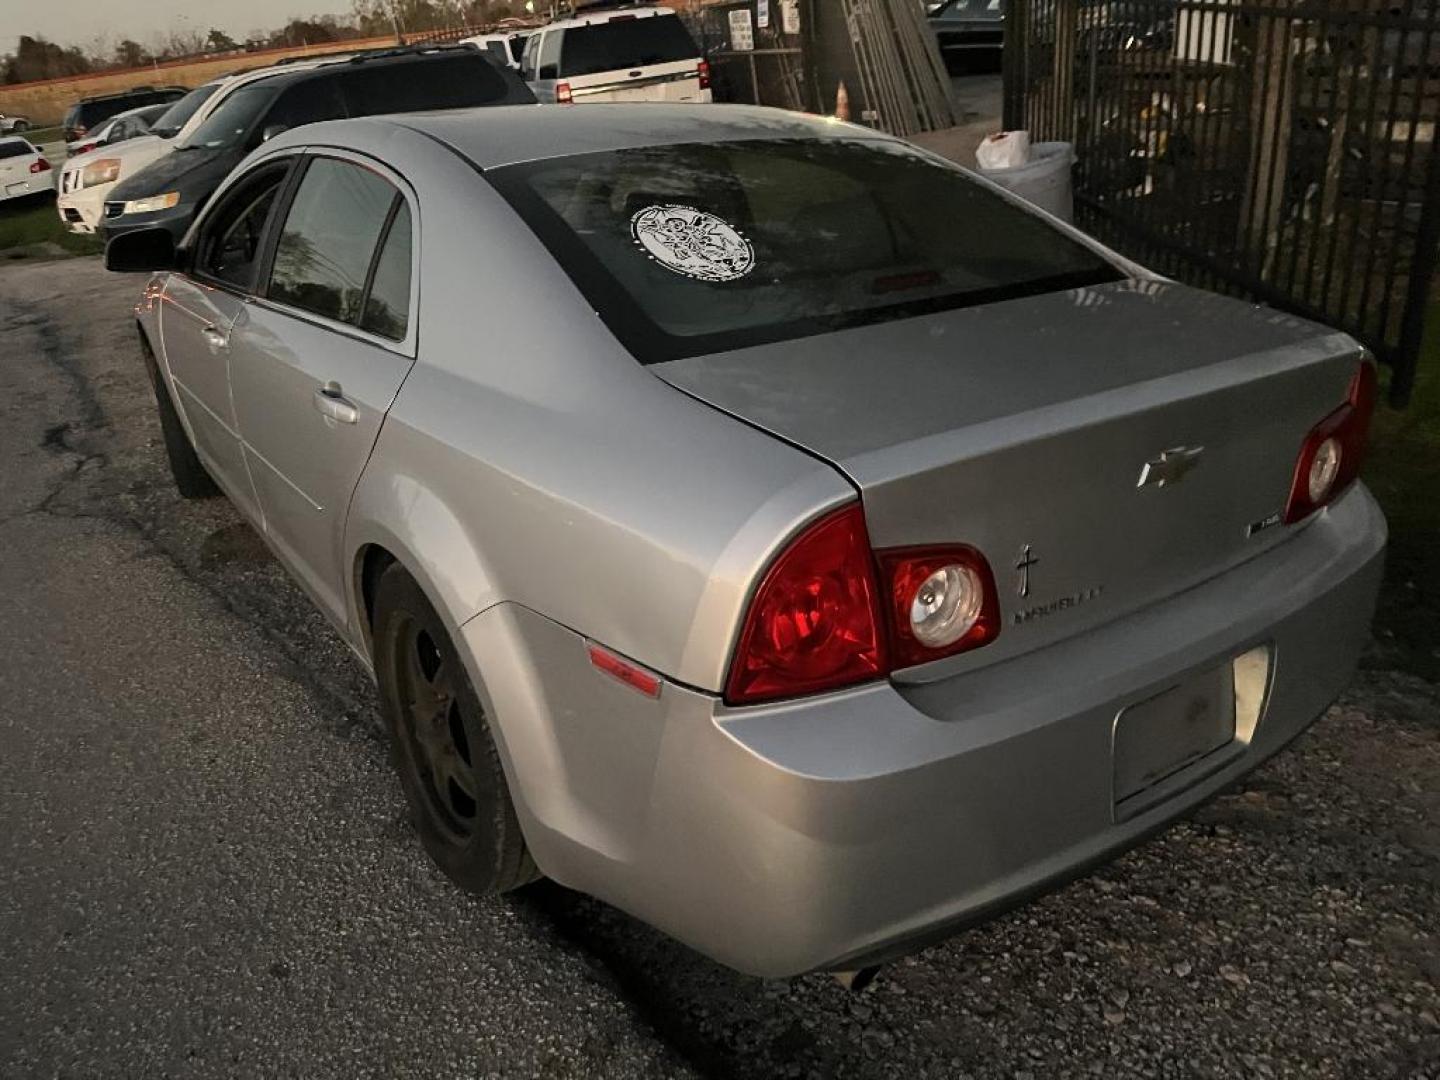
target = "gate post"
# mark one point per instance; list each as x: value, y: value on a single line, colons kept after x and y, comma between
x: 1417, y: 290
x: 1013, y: 74
x: 1067, y: 26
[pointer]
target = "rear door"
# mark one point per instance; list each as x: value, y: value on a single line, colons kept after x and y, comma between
x: 630, y: 58
x: 318, y: 359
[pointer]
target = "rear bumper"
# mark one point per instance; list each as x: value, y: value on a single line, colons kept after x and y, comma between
x: 840, y: 831
x: 37, y: 184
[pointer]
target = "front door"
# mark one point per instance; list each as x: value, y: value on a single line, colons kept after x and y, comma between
x: 197, y: 318
x: 318, y: 358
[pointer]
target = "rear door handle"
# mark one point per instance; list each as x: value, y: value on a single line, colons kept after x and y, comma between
x: 217, y: 339
x: 330, y: 402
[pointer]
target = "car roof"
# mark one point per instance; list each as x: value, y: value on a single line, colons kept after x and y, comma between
x: 509, y: 134
x: 131, y: 92
x: 157, y: 109
x: 606, y: 14
x: 309, y: 67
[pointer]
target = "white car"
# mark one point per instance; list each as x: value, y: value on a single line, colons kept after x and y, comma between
x: 633, y: 54
x: 504, y: 49
x: 13, y: 124
x: 130, y: 124
x: 23, y: 169
x: 86, y: 180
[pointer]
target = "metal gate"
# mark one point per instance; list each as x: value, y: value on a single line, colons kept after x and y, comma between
x: 1284, y: 151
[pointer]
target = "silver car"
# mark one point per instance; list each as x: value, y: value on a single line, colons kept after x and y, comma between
x: 756, y: 522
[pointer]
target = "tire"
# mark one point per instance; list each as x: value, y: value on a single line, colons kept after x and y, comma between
x: 191, y: 479
x: 20, y: 125
x: 441, y: 746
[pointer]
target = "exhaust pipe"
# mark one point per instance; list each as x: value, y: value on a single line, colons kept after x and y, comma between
x: 856, y: 981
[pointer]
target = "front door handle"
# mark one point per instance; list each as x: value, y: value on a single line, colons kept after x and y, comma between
x: 217, y: 339
x: 330, y: 402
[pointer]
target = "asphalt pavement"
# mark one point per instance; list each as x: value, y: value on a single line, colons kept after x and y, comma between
x: 206, y: 867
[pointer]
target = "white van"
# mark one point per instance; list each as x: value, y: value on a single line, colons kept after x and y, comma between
x: 618, y: 54
x: 502, y: 48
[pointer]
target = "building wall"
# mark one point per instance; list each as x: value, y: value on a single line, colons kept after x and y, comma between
x: 46, y: 102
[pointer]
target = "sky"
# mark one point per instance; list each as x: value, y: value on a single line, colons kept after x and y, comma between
x: 81, y: 22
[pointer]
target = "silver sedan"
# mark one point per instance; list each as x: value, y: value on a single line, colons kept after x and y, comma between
x: 756, y: 522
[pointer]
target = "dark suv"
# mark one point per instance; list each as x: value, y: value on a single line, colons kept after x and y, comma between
x: 90, y: 112
x: 411, y: 79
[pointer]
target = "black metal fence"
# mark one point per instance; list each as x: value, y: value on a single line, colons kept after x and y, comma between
x: 1285, y: 151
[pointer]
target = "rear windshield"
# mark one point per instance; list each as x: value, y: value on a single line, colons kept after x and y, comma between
x: 625, y: 43
x: 693, y: 249
x: 15, y: 148
x: 179, y: 114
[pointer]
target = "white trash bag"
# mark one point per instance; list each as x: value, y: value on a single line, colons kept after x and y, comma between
x: 1042, y: 179
x: 1003, y: 150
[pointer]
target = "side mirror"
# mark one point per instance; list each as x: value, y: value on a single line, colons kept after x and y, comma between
x: 271, y: 130
x: 141, y: 251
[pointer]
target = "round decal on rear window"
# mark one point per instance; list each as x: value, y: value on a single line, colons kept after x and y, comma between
x: 693, y: 243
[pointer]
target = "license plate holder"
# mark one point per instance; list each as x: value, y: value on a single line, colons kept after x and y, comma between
x: 1159, y: 737
x: 16, y: 189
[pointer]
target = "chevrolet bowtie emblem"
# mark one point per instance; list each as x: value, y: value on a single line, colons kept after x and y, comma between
x: 1170, y: 467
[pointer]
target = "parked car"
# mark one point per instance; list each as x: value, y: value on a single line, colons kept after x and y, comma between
x: 409, y: 79
x: 631, y: 54
x: 86, y: 180
x: 23, y: 169
x: 968, y: 29
x: 812, y: 574
x: 503, y: 48
x: 13, y: 124
x: 86, y: 113
x: 130, y: 124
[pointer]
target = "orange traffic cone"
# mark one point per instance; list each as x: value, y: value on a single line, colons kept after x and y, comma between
x: 842, y: 102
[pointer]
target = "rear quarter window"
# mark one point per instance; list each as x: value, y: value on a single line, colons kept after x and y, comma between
x: 623, y: 43
x: 444, y: 82
x: 15, y: 149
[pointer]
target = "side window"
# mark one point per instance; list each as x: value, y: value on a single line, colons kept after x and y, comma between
x: 433, y: 82
x: 550, y: 54
x: 328, y: 241
x: 306, y: 102
x: 528, y: 62
x: 231, y: 239
x: 387, y: 308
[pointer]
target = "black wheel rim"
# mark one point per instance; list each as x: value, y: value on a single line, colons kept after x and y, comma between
x: 433, y: 732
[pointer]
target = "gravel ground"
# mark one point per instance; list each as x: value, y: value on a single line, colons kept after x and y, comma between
x: 205, y: 867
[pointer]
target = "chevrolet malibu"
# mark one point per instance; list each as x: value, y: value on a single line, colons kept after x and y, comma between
x: 739, y: 537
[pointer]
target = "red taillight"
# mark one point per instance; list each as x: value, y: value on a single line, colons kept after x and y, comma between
x: 703, y: 73
x: 942, y: 602
x: 85, y: 149
x: 815, y: 621
x: 1331, y: 454
x: 818, y: 621
x: 563, y: 94
x: 39, y: 165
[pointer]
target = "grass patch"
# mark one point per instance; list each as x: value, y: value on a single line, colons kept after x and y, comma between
x: 1403, y: 469
x: 24, y: 223
x: 43, y: 135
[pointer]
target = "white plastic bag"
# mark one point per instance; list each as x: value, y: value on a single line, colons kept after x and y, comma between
x: 1003, y: 150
